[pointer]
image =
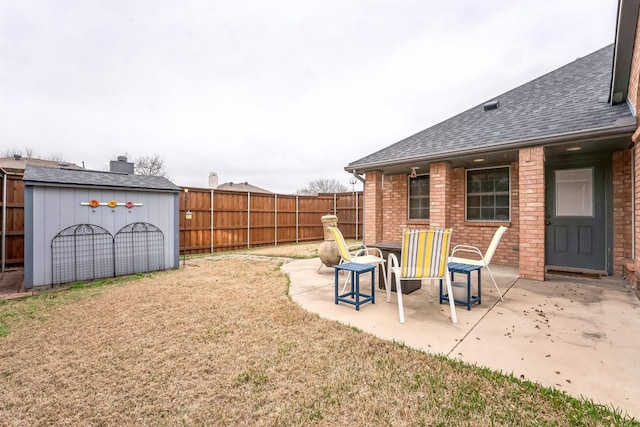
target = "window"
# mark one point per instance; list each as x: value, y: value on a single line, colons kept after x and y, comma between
x: 419, y: 197
x: 488, y: 194
x: 574, y: 192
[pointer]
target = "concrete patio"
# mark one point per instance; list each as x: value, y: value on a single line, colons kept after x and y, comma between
x: 574, y: 334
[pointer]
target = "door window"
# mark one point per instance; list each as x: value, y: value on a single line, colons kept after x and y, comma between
x: 574, y: 192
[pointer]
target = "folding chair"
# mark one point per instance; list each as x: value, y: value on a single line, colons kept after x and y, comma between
x: 478, y: 258
x: 424, y: 256
x: 359, y: 254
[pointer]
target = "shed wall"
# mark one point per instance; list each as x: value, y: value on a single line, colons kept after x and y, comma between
x: 56, y: 208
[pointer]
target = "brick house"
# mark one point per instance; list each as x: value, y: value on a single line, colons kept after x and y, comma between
x: 554, y: 160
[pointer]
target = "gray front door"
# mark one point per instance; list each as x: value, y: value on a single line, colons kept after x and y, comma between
x: 577, y: 195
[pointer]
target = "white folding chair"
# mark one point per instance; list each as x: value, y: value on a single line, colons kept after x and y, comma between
x: 478, y: 257
x: 424, y: 256
x: 359, y: 254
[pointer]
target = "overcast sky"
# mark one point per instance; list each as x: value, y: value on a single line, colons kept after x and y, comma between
x: 277, y: 93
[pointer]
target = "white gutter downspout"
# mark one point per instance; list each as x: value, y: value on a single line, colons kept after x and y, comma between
x: 364, y: 223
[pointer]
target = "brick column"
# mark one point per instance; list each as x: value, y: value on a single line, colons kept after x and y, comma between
x: 373, y: 208
x: 532, y: 212
x: 440, y: 195
x: 636, y: 182
x: 622, y: 210
x: 633, y: 96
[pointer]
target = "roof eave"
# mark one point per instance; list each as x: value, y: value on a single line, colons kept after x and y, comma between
x: 623, y: 49
x: 598, y: 133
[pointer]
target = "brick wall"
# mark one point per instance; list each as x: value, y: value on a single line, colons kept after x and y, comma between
x: 373, y: 207
x: 523, y: 244
x: 480, y: 233
x: 395, y: 200
x: 622, y: 180
x: 634, y: 83
x: 532, y: 211
x: 448, y: 192
x: 439, y: 195
x: 636, y: 154
x: 634, y: 98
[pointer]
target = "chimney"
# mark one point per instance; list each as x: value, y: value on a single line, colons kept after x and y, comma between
x: 213, y: 180
x: 121, y: 166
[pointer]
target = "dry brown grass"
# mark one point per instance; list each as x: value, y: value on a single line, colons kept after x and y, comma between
x: 220, y: 343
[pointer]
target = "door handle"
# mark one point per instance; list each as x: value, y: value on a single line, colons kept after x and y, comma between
x: 547, y: 223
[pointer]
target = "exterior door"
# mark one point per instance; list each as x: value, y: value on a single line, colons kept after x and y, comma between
x: 578, y: 193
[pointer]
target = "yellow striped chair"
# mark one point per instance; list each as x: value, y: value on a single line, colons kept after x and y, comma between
x: 358, y: 253
x: 424, y: 256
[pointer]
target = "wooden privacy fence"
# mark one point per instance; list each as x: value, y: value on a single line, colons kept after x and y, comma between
x: 221, y: 220
x: 12, y: 216
x: 224, y: 220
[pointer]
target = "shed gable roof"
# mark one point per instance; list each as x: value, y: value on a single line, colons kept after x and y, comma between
x: 569, y: 100
x: 87, y: 178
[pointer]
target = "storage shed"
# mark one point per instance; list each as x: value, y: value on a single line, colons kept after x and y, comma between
x: 84, y: 225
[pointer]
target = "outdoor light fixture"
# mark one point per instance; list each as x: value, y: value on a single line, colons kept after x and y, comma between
x: 574, y: 148
x: 478, y: 160
x: 413, y: 172
x: 188, y: 215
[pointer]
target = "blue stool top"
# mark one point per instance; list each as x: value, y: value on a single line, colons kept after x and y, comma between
x: 459, y: 267
x: 355, y: 266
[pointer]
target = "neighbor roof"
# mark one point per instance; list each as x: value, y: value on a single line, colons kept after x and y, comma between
x: 568, y: 101
x: 242, y: 186
x: 88, y: 178
x: 18, y: 163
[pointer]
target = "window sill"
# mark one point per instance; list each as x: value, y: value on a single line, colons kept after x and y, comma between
x: 487, y: 223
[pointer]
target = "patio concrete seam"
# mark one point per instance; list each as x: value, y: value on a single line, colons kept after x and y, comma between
x: 480, y: 320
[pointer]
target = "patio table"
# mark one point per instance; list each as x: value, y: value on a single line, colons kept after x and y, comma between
x: 457, y: 267
x: 395, y: 248
x: 354, y: 296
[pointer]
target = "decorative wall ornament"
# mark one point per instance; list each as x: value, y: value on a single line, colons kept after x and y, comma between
x: 111, y: 203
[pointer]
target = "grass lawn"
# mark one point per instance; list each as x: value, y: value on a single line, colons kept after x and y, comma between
x: 220, y: 343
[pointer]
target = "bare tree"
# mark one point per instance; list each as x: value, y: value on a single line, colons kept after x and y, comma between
x: 25, y: 152
x: 151, y: 165
x: 323, y: 185
x: 56, y: 157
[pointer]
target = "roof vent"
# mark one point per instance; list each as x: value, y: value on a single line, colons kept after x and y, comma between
x: 17, y: 156
x: 491, y: 105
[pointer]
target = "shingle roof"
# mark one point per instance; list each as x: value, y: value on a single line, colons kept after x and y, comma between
x: 242, y: 186
x: 87, y: 178
x: 20, y: 164
x: 570, y: 99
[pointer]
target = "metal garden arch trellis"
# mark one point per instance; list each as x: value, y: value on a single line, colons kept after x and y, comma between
x: 88, y: 251
x: 82, y: 252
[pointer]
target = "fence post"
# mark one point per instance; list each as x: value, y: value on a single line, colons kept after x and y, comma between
x: 297, y: 220
x: 212, y: 234
x: 275, y: 220
x: 335, y: 207
x: 248, y: 219
x: 356, y: 194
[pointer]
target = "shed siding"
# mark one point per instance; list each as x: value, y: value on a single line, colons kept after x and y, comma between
x: 55, y: 209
